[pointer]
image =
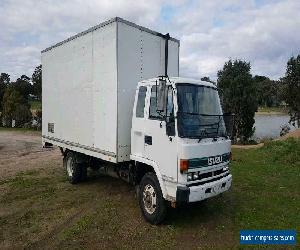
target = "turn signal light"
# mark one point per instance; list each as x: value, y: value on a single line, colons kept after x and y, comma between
x: 184, y: 165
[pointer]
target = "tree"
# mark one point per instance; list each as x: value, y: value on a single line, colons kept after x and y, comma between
x: 292, y: 89
x: 15, y: 107
x: 37, y: 82
x: 4, y: 81
x: 23, y: 86
x: 267, y: 91
x: 5, y: 78
x: 207, y: 79
x: 239, y: 97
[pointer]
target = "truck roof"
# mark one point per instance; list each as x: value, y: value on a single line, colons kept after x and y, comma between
x: 115, y: 19
x: 182, y: 80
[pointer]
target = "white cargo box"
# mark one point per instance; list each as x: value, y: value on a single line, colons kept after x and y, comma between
x: 89, y: 83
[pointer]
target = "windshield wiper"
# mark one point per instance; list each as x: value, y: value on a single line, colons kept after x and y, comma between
x: 208, y: 130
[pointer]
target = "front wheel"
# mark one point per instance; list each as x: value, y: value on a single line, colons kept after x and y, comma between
x: 151, y: 200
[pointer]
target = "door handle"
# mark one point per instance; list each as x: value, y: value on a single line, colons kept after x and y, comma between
x: 148, y: 139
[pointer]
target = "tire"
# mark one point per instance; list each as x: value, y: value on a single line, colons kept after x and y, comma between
x: 73, y: 169
x: 83, y: 176
x: 94, y: 167
x: 152, y: 203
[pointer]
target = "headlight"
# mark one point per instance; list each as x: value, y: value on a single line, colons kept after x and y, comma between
x: 195, y: 176
x: 226, y: 168
x: 189, y: 177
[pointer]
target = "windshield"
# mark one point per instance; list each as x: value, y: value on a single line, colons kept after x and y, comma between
x: 199, y: 112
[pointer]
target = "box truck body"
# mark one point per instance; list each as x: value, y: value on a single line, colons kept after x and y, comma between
x: 109, y: 104
x: 89, y: 84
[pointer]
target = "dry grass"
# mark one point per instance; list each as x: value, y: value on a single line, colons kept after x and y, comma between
x: 40, y: 209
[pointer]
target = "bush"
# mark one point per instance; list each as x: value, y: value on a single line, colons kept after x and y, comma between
x: 292, y: 89
x: 238, y: 96
x: 15, y: 107
x: 38, y: 120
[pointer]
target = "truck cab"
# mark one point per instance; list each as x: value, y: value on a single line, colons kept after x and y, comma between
x: 180, y: 131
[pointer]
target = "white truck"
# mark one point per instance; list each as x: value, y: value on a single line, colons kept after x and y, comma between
x: 108, y: 103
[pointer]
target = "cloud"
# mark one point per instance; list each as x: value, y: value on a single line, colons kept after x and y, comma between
x: 211, y: 32
x: 266, y: 36
x: 39, y: 24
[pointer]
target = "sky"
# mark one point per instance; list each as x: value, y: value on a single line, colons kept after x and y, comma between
x: 262, y: 32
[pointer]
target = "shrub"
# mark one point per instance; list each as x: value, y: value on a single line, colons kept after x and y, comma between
x: 15, y: 107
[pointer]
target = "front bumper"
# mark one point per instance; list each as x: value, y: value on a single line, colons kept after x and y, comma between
x: 204, y: 191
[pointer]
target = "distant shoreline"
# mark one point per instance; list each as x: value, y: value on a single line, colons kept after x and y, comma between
x: 272, y: 111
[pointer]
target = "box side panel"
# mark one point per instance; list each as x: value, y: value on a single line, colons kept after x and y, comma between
x: 68, y: 91
x: 153, y: 56
x: 152, y: 51
x: 105, y: 88
x: 173, y: 61
x: 79, y: 77
x: 140, y: 56
x: 129, y: 73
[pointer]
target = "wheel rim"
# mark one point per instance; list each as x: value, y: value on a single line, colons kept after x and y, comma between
x: 149, y: 199
x: 70, y: 167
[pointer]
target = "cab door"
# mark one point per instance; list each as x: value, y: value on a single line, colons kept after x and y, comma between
x: 158, y: 146
x: 138, y: 122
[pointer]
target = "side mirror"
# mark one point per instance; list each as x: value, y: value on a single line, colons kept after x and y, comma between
x: 161, y: 96
x: 170, y: 126
x: 229, y: 123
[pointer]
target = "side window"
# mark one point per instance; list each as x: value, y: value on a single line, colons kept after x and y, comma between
x: 170, y: 114
x: 153, y: 114
x: 141, y: 102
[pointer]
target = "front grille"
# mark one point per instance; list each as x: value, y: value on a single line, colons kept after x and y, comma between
x: 218, y: 172
x: 211, y: 174
x: 205, y: 175
x: 207, y: 181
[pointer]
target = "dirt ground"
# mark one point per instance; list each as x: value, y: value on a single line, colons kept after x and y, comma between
x: 294, y: 134
x: 22, y: 151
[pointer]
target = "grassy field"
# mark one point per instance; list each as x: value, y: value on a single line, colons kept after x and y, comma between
x: 272, y: 110
x: 40, y: 208
x: 21, y: 130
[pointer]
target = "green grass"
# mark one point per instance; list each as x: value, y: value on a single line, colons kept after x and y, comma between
x: 35, y: 105
x: 19, y: 129
x: 41, y: 208
x: 267, y: 186
x: 275, y: 110
x: 80, y: 227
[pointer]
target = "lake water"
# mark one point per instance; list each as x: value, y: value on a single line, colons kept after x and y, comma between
x: 269, y: 126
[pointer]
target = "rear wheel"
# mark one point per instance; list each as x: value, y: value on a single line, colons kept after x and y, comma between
x: 151, y: 200
x: 95, y: 167
x: 83, y: 176
x: 73, y: 169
